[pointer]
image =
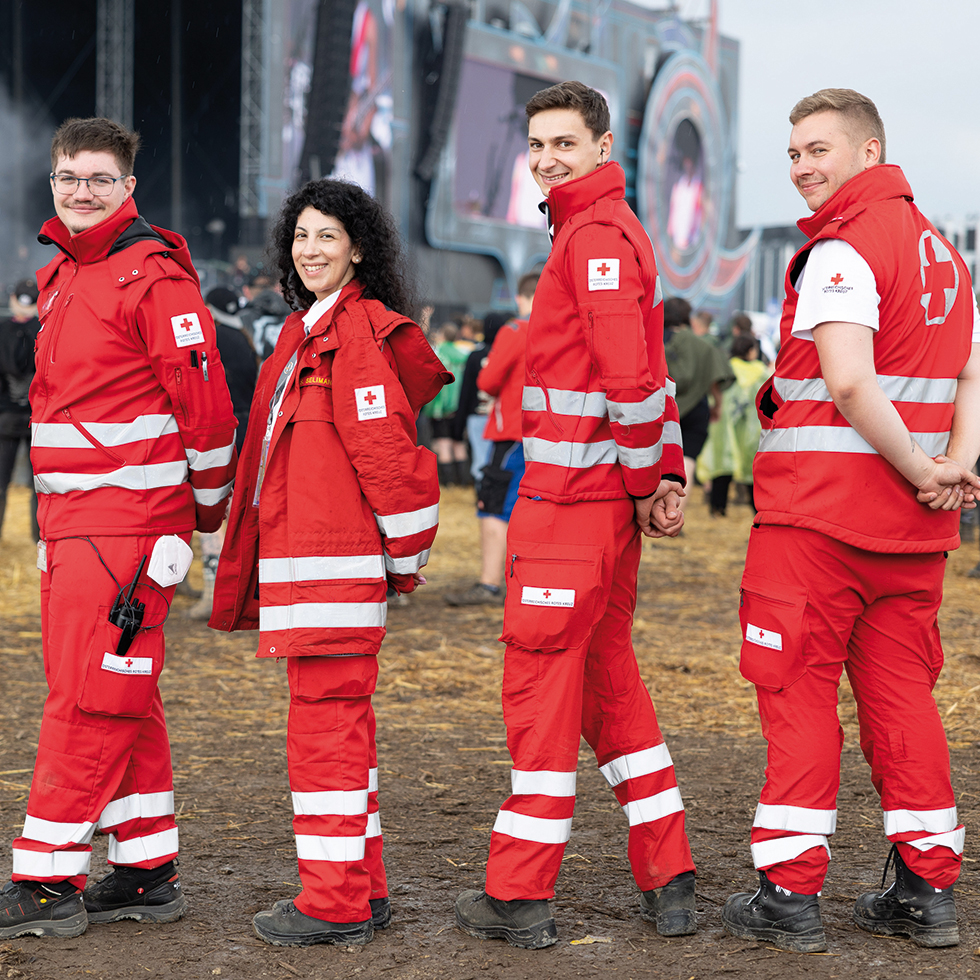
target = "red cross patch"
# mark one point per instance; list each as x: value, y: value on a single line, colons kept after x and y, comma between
x: 370, y: 402
x: 603, y: 274
x: 187, y: 329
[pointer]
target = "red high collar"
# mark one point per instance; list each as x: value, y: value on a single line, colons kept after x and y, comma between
x: 94, y: 243
x: 879, y: 183
x: 576, y: 195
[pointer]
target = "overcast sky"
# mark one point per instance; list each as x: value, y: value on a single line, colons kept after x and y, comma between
x: 918, y: 60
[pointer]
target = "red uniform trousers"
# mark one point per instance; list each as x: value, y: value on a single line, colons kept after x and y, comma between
x: 333, y: 775
x: 97, y: 769
x: 811, y: 606
x: 570, y: 671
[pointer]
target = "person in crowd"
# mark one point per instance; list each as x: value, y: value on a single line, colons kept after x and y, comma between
x: 871, y: 425
x: 699, y: 371
x: 133, y: 447
x: 241, y: 370
x: 603, y: 465
x: 18, y: 333
x: 264, y: 314
x: 701, y: 322
x: 333, y: 502
x: 502, y: 378
x: 453, y: 348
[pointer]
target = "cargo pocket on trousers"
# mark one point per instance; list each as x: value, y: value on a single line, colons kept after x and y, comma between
x: 772, y: 634
x: 552, y: 595
x: 122, y: 686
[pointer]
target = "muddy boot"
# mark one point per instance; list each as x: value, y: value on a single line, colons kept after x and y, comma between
x: 671, y: 907
x: 201, y: 610
x: 285, y: 925
x: 380, y: 912
x: 775, y: 915
x: 41, y: 908
x: 527, y: 924
x: 909, y: 907
x: 150, y: 894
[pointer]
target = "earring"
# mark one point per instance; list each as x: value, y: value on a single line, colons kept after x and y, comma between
x: 356, y: 259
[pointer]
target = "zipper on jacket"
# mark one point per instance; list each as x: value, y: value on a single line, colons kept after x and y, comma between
x: 179, y: 379
x: 546, y: 561
x: 547, y: 402
x: 56, y: 331
x: 204, y: 364
x: 119, y: 460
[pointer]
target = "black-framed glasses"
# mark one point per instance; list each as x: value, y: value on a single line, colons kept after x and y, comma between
x: 99, y: 186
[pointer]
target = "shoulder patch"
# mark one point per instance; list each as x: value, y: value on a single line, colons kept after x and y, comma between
x: 603, y: 274
x: 187, y: 329
x: 370, y: 403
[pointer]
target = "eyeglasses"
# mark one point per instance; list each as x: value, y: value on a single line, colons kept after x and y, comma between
x: 99, y: 186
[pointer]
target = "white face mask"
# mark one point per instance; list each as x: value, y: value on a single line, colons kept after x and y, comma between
x: 169, y: 561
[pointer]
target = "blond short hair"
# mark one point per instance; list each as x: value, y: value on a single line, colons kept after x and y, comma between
x: 859, y: 112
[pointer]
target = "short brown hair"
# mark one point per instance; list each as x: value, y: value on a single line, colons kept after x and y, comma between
x: 527, y: 284
x: 95, y: 134
x: 573, y: 95
x: 859, y: 112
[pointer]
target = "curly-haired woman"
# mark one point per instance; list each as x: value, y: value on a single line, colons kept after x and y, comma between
x: 333, y: 501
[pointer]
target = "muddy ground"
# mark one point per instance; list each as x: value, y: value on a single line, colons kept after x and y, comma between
x: 444, y: 771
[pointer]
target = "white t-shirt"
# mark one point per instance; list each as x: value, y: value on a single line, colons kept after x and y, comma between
x: 836, y: 284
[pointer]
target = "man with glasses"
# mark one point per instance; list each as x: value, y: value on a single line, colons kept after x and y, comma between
x: 132, y: 448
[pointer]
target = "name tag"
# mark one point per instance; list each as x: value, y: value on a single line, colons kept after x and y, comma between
x: 547, y: 597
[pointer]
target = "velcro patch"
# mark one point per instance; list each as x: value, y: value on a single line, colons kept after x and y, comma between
x: 127, y: 665
x: 603, y: 274
x: 764, y: 638
x: 547, y: 597
x: 370, y: 402
x: 187, y: 329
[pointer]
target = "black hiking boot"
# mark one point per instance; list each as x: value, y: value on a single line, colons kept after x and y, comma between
x: 521, y: 922
x: 774, y: 915
x: 36, y: 908
x: 150, y: 894
x: 671, y: 907
x: 380, y: 912
x: 909, y: 907
x: 285, y: 925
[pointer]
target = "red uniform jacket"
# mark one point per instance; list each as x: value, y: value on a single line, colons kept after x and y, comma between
x: 341, y: 500
x: 503, y: 377
x: 812, y: 469
x: 599, y: 422
x: 132, y: 425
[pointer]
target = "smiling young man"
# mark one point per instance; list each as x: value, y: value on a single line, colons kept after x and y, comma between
x: 132, y: 448
x: 871, y: 423
x: 603, y: 464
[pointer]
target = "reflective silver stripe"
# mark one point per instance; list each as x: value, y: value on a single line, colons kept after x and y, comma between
x: 671, y: 387
x: 210, y: 457
x: 406, y: 566
x: 769, y: 852
x: 314, y: 848
x: 565, y: 401
x: 638, y: 458
x: 140, y: 849
x: 654, y: 807
x: 313, y: 568
x: 836, y: 439
x: 801, y: 819
x: 51, y: 864
x: 373, y: 780
x: 925, y: 391
x: 909, y: 821
x: 347, y: 803
x: 63, y: 435
x: 953, y: 839
x: 207, y: 497
x: 541, y: 830
x: 373, y: 825
x: 575, y: 455
x: 542, y: 782
x: 149, y: 477
x: 658, y: 293
x: 672, y: 434
x: 56, y: 832
x: 322, y: 615
x: 137, y: 805
x: 651, y: 409
x: 411, y: 522
x: 635, y: 764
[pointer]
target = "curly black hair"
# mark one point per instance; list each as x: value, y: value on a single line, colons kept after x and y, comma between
x: 382, y: 267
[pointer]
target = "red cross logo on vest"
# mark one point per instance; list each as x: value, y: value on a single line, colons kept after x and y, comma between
x: 604, y: 269
x: 370, y: 397
x: 837, y: 280
x: 940, y: 278
x: 547, y: 593
x: 186, y: 324
x: 129, y: 663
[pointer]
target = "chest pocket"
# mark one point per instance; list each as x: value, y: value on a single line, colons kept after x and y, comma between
x: 315, y: 398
